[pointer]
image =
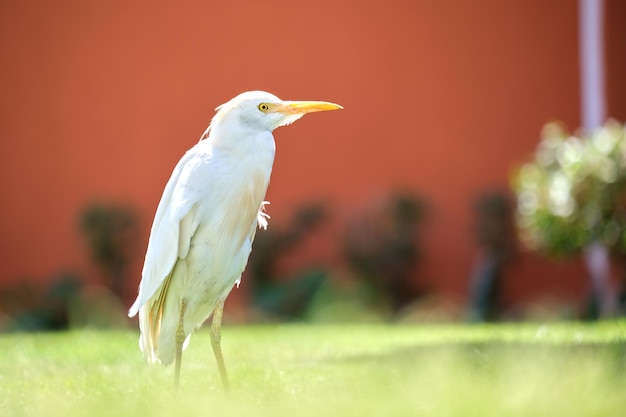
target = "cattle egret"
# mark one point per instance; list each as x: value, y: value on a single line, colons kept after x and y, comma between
x: 205, y: 224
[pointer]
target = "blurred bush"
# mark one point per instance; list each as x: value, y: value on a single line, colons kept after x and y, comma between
x: 573, y: 192
x: 278, y: 296
x: 111, y: 232
x: 495, y: 236
x: 30, y: 306
x: 383, y: 250
x: 572, y: 198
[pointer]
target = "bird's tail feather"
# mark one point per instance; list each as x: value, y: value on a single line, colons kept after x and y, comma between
x: 150, y: 316
x: 158, y: 329
x: 148, y: 337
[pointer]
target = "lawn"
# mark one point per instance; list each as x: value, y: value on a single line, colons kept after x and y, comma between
x: 554, y: 369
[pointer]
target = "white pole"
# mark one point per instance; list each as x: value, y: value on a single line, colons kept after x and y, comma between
x: 591, y: 56
x: 593, y: 115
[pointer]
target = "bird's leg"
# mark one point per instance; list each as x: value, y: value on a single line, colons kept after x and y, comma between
x: 180, y: 339
x: 216, y: 337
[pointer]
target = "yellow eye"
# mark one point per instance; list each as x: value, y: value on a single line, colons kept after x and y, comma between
x: 264, y: 107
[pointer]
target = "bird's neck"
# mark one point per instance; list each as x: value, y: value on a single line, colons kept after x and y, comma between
x: 248, y: 153
x: 239, y: 137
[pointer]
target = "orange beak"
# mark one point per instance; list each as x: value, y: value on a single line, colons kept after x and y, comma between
x: 303, y: 107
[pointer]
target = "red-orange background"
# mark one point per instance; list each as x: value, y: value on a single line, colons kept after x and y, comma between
x: 101, y: 98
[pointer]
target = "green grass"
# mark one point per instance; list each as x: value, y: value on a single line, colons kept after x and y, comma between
x: 557, y: 369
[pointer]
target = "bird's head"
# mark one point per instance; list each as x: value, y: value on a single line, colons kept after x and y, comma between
x: 261, y: 111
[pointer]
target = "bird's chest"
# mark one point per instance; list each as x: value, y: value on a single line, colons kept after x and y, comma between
x: 226, y: 216
x: 241, y: 203
x: 228, y: 213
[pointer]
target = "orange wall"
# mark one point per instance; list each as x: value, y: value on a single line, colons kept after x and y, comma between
x: 101, y: 98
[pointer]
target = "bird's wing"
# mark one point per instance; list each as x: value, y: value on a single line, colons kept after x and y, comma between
x: 174, y: 225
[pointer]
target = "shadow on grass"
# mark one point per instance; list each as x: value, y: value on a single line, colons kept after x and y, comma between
x: 487, y: 354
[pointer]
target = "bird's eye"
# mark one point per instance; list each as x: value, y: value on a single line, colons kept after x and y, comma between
x: 264, y: 107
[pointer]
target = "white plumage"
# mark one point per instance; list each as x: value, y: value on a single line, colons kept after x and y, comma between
x: 206, y: 222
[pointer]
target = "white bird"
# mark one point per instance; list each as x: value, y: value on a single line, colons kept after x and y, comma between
x: 205, y: 224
